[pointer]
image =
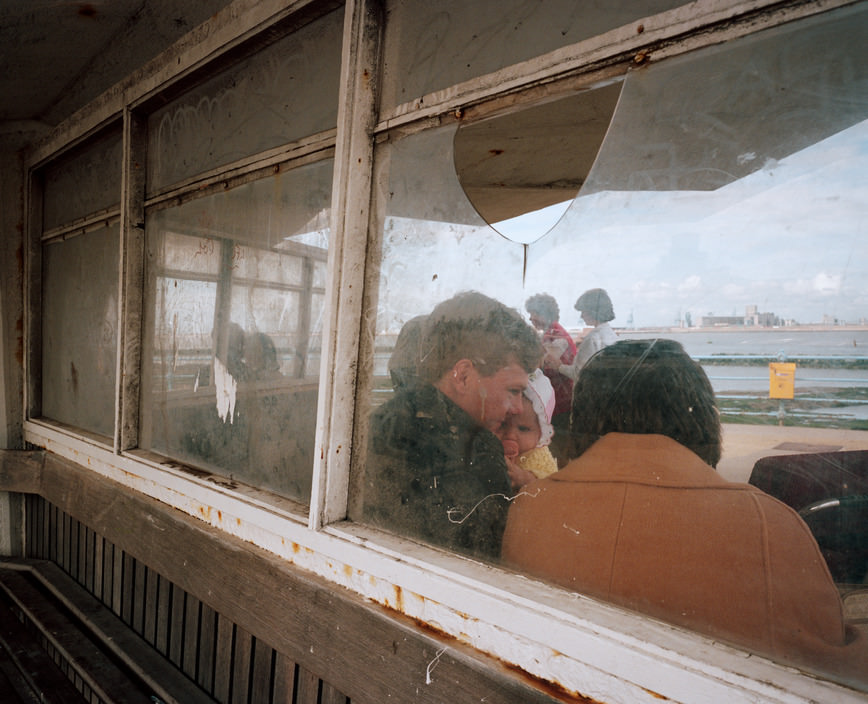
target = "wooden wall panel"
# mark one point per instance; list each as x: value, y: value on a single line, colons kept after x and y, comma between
x: 261, y: 675
x: 223, y: 659
x: 217, y: 604
x: 241, y: 661
x: 161, y: 615
x: 207, y: 648
x: 149, y: 625
x: 190, y: 636
x: 307, y: 687
x: 284, y: 679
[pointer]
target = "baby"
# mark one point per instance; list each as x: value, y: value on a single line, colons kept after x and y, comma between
x: 526, y: 436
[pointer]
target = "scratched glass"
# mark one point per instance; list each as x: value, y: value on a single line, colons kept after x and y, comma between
x: 79, y: 329
x: 235, y: 291
x: 286, y: 92
x: 84, y: 181
x: 723, y: 205
x: 431, y: 46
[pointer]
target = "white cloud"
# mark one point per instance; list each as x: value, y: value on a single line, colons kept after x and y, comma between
x: 827, y: 284
x: 690, y: 284
x: 798, y: 287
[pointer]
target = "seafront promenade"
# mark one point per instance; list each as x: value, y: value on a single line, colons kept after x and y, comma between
x: 743, y: 445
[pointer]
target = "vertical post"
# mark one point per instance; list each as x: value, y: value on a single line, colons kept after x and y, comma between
x: 13, y: 243
x: 18, y: 247
x: 351, y: 202
x: 131, y: 283
x: 782, y: 383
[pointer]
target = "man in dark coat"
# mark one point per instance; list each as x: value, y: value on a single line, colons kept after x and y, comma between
x: 435, y: 471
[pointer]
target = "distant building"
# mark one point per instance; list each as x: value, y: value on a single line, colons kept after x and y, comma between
x: 752, y: 317
x: 712, y: 321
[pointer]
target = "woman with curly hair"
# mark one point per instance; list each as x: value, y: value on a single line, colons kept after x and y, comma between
x: 560, y: 350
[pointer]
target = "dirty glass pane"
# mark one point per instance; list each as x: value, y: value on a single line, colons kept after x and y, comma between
x: 79, y: 329
x: 287, y: 91
x: 85, y: 181
x: 725, y: 210
x: 234, y: 324
x: 431, y: 46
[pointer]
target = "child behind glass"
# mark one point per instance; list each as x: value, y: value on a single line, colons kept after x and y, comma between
x: 526, y: 436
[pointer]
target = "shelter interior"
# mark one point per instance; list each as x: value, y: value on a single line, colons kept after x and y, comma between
x: 215, y: 219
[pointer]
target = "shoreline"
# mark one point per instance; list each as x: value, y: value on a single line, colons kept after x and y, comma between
x: 742, y: 328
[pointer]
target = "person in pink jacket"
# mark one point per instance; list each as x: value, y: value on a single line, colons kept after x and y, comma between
x: 641, y: 519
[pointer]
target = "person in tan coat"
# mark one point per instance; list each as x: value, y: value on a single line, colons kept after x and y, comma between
x: 641, y: 519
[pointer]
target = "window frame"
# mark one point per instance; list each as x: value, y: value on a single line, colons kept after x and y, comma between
x: 583, y: 646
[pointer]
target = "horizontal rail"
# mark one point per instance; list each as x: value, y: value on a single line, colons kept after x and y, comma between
x: 780, y: 357
x: 825, y: 380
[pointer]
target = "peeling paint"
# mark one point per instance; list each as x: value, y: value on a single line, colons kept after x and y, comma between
x: 226, y: 387
x: 656, y: 695
x: 542, y: 664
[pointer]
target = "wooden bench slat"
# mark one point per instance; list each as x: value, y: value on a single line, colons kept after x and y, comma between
x: 94, y: 666
x: 32, y: 676
x: 149, y: 667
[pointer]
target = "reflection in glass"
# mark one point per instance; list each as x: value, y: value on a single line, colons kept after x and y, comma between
x: 79, y: 329
x: 726, y: 208
x: 235, y: 300
x: 717, y: 210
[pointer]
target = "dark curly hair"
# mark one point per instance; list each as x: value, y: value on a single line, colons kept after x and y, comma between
x: 473, y: 326
x: 545, y: 306
x: 646, y: 386
x: 596, y: 302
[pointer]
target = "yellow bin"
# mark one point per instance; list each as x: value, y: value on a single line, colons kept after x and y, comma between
x: 782, y: 379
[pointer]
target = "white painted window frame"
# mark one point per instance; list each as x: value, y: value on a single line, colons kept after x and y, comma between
x: 586, y: 647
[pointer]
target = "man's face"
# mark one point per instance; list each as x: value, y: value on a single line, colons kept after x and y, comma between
x: 490, y: 399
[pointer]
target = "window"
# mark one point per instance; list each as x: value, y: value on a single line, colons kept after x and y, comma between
x: 704, y: 164
x: 80, y: 256
x: 235, y: 301
x: 725, y: 182
x: 83, y: 182
x: 429, y: 48
x: 236, y: 272
x: 276, y: 97
x: 80, y: 318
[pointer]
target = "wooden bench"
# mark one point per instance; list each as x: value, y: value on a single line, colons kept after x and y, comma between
x: 78, y: 639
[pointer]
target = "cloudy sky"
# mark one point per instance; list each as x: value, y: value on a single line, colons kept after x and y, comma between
x: 790, y: 238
